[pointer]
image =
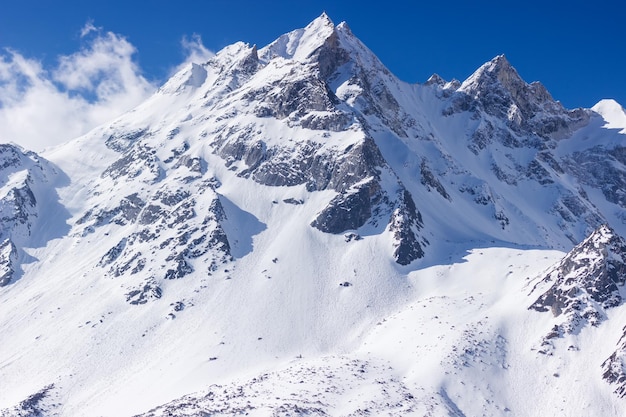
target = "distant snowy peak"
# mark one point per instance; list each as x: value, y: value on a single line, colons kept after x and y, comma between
x: 437, y: 80
x: 613, y: 113
x: 585, y: 283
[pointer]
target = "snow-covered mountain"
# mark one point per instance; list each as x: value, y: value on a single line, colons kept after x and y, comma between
x: 291, y: 230
x: 27, y: 197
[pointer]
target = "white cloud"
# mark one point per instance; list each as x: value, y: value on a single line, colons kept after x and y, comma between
x: 42, y: 107
x: 88, y: 28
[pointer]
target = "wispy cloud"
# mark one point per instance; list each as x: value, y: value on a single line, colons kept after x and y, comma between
x: 41, y: 107
x: 194, y: 50
x: 88, y: 28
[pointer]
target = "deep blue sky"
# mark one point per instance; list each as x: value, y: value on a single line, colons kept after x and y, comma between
x: 576, y: 48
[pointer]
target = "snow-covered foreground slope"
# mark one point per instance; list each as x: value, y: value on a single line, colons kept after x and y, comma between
x: 461, y: 340
x: 291, y: 230
x: 463, y: 344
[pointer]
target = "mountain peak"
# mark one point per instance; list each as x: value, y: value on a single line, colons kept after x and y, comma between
x: 343, y: 26
x: 300, y: 43
x: 602, y: 234
x: 497, y: 89
x: 607, y: 105
x: 497, y: 72
x: 612, y: 112
x: 501, y: 60
x: 322, y: 20
x: 435, y: 79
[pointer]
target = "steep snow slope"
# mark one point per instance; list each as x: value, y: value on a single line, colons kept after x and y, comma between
x: 296, y: 213
x: 464, y: 345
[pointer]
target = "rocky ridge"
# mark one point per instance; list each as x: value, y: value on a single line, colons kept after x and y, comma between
x: 26, y: 179
x: 586, y: 282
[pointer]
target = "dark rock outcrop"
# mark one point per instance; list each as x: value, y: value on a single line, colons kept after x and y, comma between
x: 147, y: 292
x: 43, y: 403
x: 8, y: 261
x: 405, y: 224
x: 348, y: 210
x: 585, y: 282
x: 614, y: 367
x: 604, y: 169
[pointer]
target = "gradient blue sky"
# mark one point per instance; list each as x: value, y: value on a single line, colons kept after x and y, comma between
x: 576, y: 48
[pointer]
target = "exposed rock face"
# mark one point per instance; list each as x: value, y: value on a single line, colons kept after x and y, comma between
x: 348, y: 210
x: 405, y: 224
x: 604, y: 169
x: 585, y: 283
x: 121, y: 141
x: 138, y: 162
x: 614, y: 367
x: 43, y: 403
x: 18, y: 203
x: 8, y: 260
x: 167, y: 228
x: 171, y: 216
x: 144, y: 293
x: 430, y: 181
